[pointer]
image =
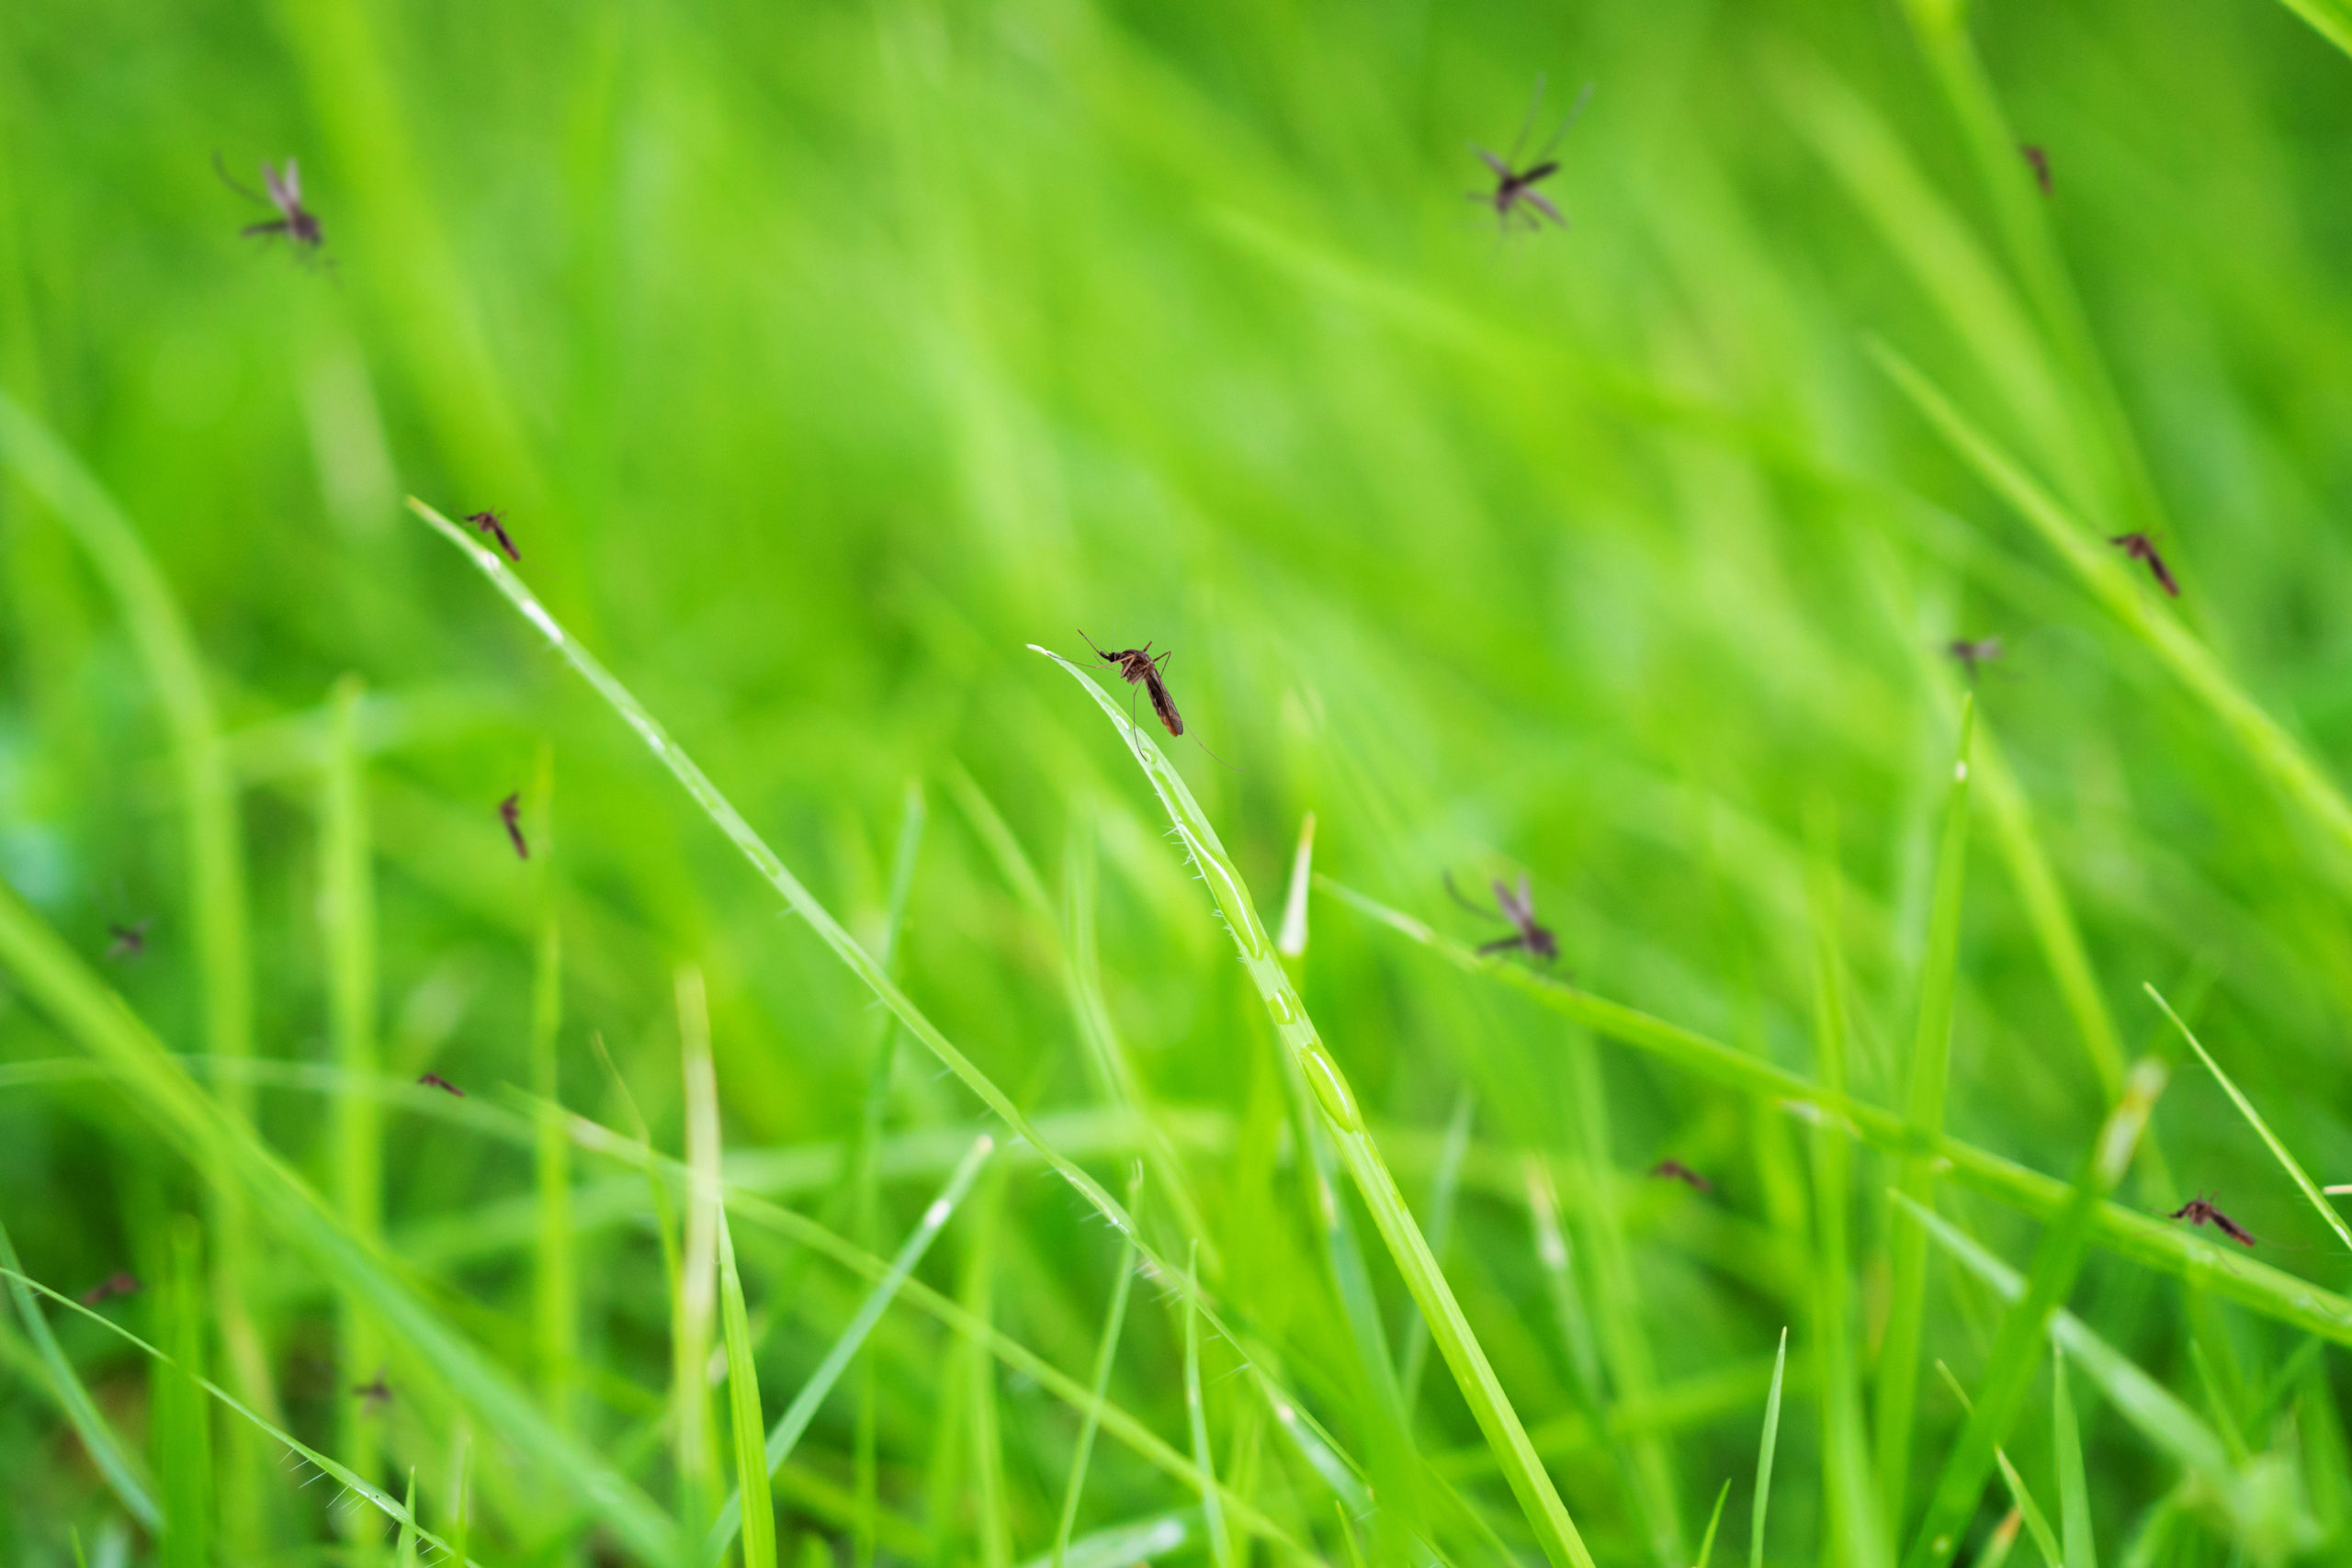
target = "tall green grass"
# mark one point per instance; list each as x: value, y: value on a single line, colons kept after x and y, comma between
x: 870, y: 1151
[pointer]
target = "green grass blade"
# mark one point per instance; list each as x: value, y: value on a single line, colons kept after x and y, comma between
x: 755, y: 1508
x: 696, y: 1305
x: 2017, y: 1349
x: 1925, y: 1073
x: 2022, y: 1504
x: 889, y: 1282
x: 2127, y: 1233
x: 1289, y: 938
x: 1105, y: 1355
x: 989, y: 1497
x: 555, y: 1292
x: 2270, y: 1139
x: 1998, y: 1545
x: 1714, y: 1522
x: 1481, y: 1388
x: 2332, y: 19
x: 1197, y: 1420
x: 1764, y: 1455
x: 2074, y: 1489
x: 114, y: 1463
x: 1445, y: 1188
x: 407, y: 1558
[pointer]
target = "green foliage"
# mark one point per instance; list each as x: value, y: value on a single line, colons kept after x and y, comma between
x: 821, y: 360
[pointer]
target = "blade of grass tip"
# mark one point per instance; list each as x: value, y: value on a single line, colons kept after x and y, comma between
x: 755, y: 1504
x: 2017, y: 1347
x: 1105, y: 1355
x: 2074, y: 1489
x: 114, y: 1463
x: 1445, y: 1188
x: 796, y: 1417
x: 555, y: 1295
x: 2153, y: 1410
x: 2003, y: 1539
x: 1348, y: 1535
x: 2246, y: 1108
x: 1714, y: 1523
x: 1196, y: 1418
x: 2023, y: 1502
x: 697, y: 1460
x: 1556, y: 1533
x: 766, y: 861
x: 1291, y: 940
x: 2103, y: 571
x: 348, y: 909
x: 1926, y: 1076
x: 1764, y: 1454
x: 366, y: 1490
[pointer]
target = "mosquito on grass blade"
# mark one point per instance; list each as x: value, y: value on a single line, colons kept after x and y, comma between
x: 510, y: 811
x: 119, y: 1283
x: 1675, y: 1170
x: 2198, y: 1212
x: 1518, y: 911
x: 283, y: 186
x: 1515, y: 193
x: 490, y: 523
x: 374, y: 1396
x: 2139, y: 547
x: 434, y: 1081
x: 2041, y: 161
x: 129, y: 941
x: 1138, y: 668
x: 1983, y: 650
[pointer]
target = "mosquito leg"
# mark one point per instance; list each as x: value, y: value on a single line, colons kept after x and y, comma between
x: 1482, y: 914
x: 1501, y: 944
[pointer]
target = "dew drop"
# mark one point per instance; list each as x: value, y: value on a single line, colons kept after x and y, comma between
x: 1338, y: 1102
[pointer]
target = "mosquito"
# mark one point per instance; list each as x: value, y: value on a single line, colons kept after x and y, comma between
x: 119, y: 1283
x: 1515, y: 192
x: 1519, y: 912
x: 1137, y: 666
x: 510, y: 811
x: 2198, y: 1212
x: 2041, y: 161
x: 283, y: 186
x: 1984, y: 651
x: 1675, y: 1170
x: 129, y: 941
x: 434, y: 1081
x: 373, y: 1396
x: 488, y: 523
x: 2139, y: 547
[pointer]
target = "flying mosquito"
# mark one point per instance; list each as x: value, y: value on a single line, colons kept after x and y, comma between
x: 2198, y: 1212
x: 489, y: 523
x: 374, y: 1396
x: 1137, y: 666
x: 2139, y: 547
x: 283, y: 186
x: 434, y: 1081
x: 1983, y: 650
x: 2041, y: 161
x: 119, y: 1283
x: 1515, y: 193
x: 1518, y: 910
x: 510, y: 811
x: 1675, y: 1170
x: 129, y: 941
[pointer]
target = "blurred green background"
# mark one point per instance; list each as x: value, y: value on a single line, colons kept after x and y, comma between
x: 821, y: 357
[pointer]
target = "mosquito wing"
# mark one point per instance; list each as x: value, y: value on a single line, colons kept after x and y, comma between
x: 1501, y: 169
x: 1542, y: 204
x: 1161, y: 703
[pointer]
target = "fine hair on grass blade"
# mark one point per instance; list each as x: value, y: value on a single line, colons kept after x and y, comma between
x: 1556, y: 1533
x: 2246, y: 1108
x: 1105, y: 1355
x: 117, y: 1463
x: 1714, y: 1522
x: 2128, y: 1233
x: 2045, y: 1541
x: 366, y: 1490
x: 1764, y: 1454
x: 2017, y: 1347
x: 754, y: 1505
x: 1925, y: 1080
x: 786, y: 1432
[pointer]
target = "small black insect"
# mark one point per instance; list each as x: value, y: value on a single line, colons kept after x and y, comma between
x: 1137, y: 666
x: 129, y: 941
x: 2139, y: 547
x: 1675, y: 1170
x: 488, y: 523
x: 284, y: 185
x: 2198, y: 1212
x: 2041, y: 161
x: 1515, y: 192
x: 510, y: 811
x: 1519, y: 911
x: 1984, y: 651
x: 119, y: 1283
x: 373, y: 1396
x: 434, y: 1081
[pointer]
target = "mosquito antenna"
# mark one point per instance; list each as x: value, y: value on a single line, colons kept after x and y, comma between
x: 1450, y: 887
x: 230, y: 180
x: 1575, y: 109
x: 1527, y: 126
x: 1092, y: 643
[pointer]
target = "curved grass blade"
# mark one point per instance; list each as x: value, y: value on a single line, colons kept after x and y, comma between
x: 2127, y: 1233
x: 1445, y: 1185
x: 2022, y: 1506
x: 1764, y: 1454
x: 1103, y: 1358
x: 891, y: 1279
x: 1196, y: 1418
x: 106, y: 1451
x: 754, y: 1503
x: 2246, y: 1108
x: 2074, y: 1489
x: 1714, y: 1522
x: 1481, y: 1388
